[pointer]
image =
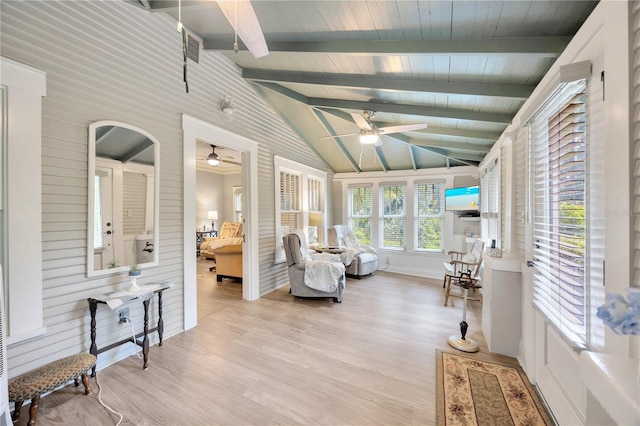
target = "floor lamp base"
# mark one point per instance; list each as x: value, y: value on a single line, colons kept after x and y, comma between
x: 464, y: 345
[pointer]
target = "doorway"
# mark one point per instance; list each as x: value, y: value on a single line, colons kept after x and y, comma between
x: 197, y: 131
x: 218, y: 208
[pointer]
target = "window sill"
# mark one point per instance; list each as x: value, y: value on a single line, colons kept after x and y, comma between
x: 32, y: 334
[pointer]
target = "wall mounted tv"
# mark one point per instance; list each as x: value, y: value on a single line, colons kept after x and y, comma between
x: 464, y: 201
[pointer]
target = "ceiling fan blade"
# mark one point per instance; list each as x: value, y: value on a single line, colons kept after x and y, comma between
x: 231, y: 162
x: 338, y: 136
x: 360, y: 121
x: 401, y: 128
x: 248, y: 27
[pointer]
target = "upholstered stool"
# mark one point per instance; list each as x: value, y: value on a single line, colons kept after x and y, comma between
x: 47, y: 378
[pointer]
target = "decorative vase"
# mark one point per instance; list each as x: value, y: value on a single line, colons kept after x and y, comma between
x: 134, y: 285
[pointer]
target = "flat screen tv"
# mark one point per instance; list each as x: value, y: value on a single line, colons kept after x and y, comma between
x: 462, y: 200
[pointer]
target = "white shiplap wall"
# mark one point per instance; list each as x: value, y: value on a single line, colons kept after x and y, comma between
x: 111, y: 60
x: 635, y: 110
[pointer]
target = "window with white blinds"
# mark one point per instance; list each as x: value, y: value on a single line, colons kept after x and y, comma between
x: 289, y: 192
x: 558, y: 175
x: 315, y: 195
x: 429, y: 211
x: 359, y: 214
x: 300, y: 194
x: 393, y: 216
x: 490, y: 203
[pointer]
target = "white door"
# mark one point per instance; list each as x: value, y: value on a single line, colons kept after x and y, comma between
x: 103, y: 231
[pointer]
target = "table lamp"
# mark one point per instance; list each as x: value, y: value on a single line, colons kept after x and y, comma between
x: 213, y: 216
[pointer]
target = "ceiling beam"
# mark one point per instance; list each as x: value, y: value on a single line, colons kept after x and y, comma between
x: 471, y: 148
x: 172, y: 5
x: 381, y: 158
x: 459, y: 114
x: 289, y: 123
x: 336, y: 139
x: 539, y: 46
x: 412, y: 157
x: 450, y: 131
x: 456, y: 114
x: 519, y: 91
x: 448, y: 156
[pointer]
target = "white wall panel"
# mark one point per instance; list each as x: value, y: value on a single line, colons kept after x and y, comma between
x: 111, y: 60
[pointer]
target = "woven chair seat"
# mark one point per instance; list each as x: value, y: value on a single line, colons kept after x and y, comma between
x: 50, y: 376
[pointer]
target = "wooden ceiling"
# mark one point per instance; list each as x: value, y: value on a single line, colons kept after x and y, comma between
x: 462, y: 67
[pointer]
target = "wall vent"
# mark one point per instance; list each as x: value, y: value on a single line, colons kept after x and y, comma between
x: 193, y: 49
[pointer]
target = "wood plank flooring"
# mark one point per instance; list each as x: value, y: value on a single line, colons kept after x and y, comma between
x: 284, y: 361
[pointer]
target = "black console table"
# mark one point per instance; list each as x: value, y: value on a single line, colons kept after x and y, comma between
x: 113, y: 300
x: 202, y: 234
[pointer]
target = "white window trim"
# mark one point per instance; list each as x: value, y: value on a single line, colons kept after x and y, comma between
x: 491, y: 229
x: 305, y: 172
x: 25, y: 88
x: 407, y: 207
x: 416, y: 218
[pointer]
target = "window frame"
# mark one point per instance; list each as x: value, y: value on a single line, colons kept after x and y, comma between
x: 490, y: 200
x: 550, y: 297
x: 383, y: 216
x: 305, y: 173
x: 352, y: 217
x: 418, y: 216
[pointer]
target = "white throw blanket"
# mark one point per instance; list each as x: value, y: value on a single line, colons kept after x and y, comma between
x: 322, y: 275
x: 350, y: 244
x: 322, y: 270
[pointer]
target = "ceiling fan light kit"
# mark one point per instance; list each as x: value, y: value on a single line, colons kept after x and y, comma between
x: 369, y: 139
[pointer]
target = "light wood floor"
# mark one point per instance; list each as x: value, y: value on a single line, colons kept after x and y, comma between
x: 283, y: 361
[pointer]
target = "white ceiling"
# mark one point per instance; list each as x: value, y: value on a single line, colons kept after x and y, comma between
x: 462, y: 67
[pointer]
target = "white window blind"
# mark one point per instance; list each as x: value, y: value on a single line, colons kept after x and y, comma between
x: 360, y: 209
x: 490, y: 203
x: 393, y: 216
x: 315, y: 195
x: 558, y: 171
x: 429, y: 209
x: 289, y: 192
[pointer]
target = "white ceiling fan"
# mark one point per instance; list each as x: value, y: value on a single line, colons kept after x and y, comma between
x: 370, y: 134
x: 244, y: 21
x: 214, y: 159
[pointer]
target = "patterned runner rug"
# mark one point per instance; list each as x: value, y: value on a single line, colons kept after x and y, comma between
x: 475, y: 391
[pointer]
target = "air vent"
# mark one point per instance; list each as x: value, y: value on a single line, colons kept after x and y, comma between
x: 193, y: 49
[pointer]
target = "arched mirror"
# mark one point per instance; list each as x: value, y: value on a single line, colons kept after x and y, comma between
x: 123, y: 198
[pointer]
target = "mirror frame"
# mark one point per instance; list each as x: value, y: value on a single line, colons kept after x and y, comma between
x: 91, y: 168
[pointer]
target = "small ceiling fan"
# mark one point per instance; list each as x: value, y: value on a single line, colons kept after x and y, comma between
x: 370, y: 134
x: 214, y: 159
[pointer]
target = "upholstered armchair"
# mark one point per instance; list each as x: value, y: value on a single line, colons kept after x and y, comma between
x: 226, y: 249
x: 309, y: 277
x: 365, y: 261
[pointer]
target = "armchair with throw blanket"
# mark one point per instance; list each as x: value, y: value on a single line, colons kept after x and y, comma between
x: 312, y: 275
x: 360, y: 259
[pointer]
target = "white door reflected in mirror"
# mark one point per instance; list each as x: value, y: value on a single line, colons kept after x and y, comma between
x: 123, y: 198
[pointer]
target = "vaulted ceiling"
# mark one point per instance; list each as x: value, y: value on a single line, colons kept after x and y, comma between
x: 464, y: 68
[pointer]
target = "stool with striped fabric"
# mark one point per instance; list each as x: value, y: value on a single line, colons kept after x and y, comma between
x: 31, y: 385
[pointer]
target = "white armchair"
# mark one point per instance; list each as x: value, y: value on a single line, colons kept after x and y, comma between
x: 365, y: 262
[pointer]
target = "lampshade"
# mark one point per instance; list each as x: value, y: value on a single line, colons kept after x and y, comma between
x: 316, y: 219
x: 369, y: 139
x: 212, y: 215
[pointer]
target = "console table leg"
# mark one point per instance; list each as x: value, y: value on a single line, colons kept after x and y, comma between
x: 160, y: 321
x: 93, y: 349
x: 145, y: 341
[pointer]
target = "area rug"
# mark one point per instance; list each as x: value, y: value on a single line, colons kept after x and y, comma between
x: 472, y: 390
